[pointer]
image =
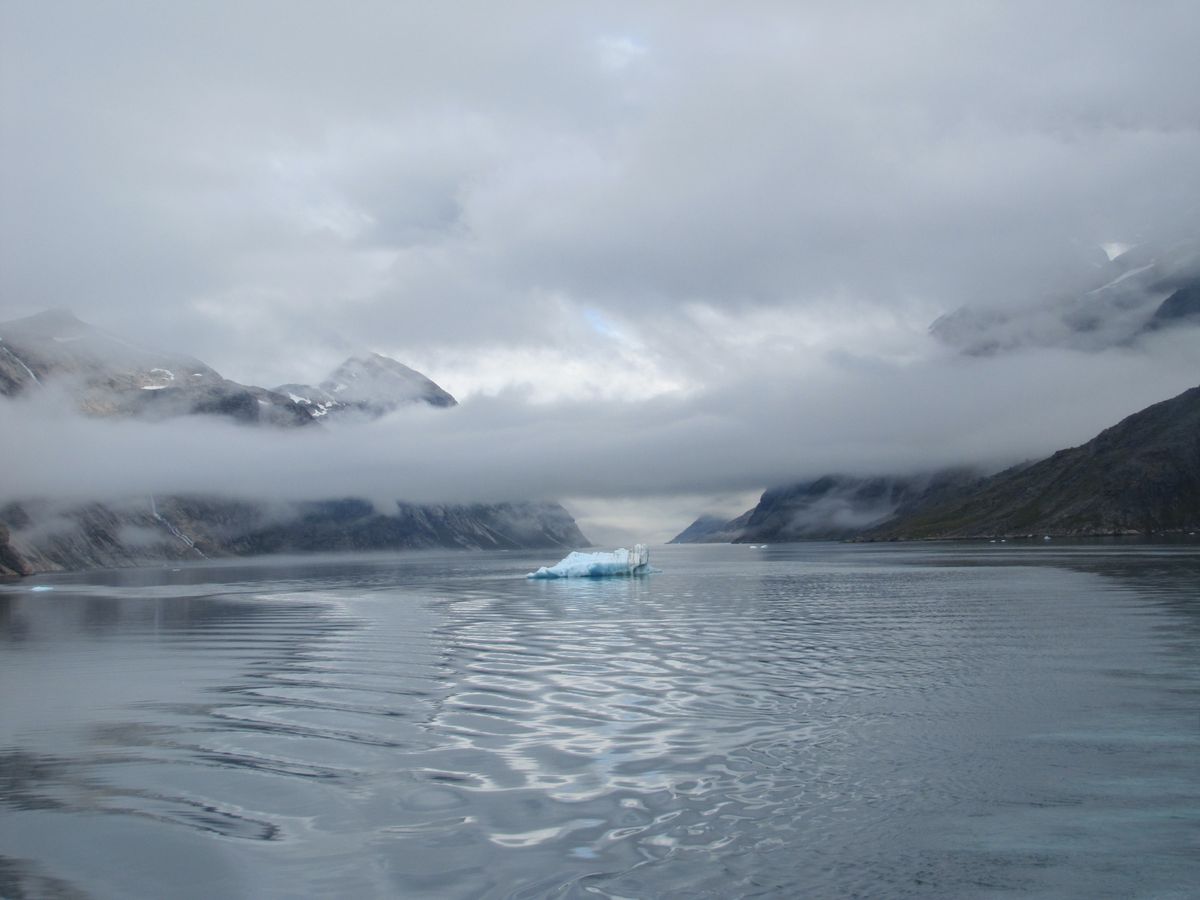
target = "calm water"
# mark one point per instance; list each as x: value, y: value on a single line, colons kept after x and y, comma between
x: 804, y: 721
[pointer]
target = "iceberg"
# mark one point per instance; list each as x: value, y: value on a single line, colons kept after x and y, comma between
x: 598, y: 565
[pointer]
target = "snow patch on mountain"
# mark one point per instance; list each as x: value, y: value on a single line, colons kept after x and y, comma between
x: 366, y: 388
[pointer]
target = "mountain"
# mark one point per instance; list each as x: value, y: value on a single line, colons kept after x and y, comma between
x: 366, y: 388
x: 710, y: 529
x: 1142, y: 290
x: 11, y: 562
x: 106, y: 375
x: 49, y: 535
x: 834, y: 507
x: 1181, y: 307
x: 1140, y: 476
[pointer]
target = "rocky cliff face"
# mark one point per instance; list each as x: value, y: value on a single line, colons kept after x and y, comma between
x: 50, y: 536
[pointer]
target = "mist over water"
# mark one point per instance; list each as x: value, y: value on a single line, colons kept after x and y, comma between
x: 809, y: 720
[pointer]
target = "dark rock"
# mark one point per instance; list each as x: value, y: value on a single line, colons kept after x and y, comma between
x: 1140, y: 476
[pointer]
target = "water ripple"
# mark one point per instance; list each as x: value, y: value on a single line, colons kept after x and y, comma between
x: 762, y: 728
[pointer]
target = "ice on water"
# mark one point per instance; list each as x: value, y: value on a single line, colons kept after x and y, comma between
x: 599, y: 565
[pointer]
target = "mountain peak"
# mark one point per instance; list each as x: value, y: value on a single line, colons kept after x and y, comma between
x: 368, y: 387
x: 50, y: 324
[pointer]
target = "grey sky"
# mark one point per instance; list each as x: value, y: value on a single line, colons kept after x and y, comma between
x: 719, y: 209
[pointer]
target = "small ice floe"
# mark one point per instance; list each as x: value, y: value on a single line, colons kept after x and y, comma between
x: 39, y: 588
x: 599, y: 565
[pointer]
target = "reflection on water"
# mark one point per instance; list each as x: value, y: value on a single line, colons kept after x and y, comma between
x: 807, y: 721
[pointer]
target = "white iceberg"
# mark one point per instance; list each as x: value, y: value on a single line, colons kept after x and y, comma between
x: 598, y: 565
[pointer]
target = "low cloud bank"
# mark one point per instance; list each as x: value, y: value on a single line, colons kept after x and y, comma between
x: 786, y: 421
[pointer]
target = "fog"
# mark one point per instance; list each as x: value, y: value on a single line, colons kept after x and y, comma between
x: 664, y: 250
x: 794, y: 419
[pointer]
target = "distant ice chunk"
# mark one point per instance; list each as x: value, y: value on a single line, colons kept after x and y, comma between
x: 599, y: 565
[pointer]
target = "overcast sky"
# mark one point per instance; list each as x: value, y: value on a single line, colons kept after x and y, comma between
x: 738, y: 217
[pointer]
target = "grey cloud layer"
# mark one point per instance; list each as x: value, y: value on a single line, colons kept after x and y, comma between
x: 274, y: 180
x: 762, y: 205
x: 841, y: 415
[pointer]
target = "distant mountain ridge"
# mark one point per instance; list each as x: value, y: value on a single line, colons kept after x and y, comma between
x: 42, y: 535
x: 1140, y: 291
x: 108, y: 376
x: 834, y: 507
x: 1141, y: 476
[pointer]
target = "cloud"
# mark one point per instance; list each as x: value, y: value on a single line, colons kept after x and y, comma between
x: 671, y: 249
x: 239, y: 179
x: 792, y: 420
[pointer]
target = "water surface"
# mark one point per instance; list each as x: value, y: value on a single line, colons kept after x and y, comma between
x: 806, y: 720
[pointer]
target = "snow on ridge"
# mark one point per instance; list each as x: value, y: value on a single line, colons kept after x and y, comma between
x: 20, y: 362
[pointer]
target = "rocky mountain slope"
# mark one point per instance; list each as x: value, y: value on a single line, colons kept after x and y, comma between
x: 49, y: 536
x: 710, y: 529
x: 1140, y: 476
x: 834, y: 507
x: 103, y: 375
x: 107, y: 376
